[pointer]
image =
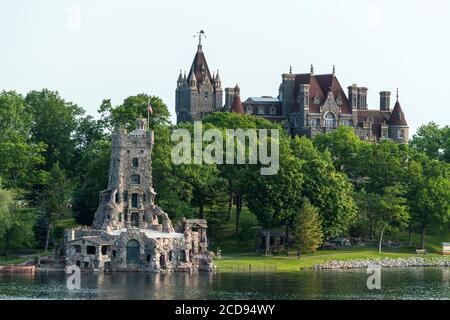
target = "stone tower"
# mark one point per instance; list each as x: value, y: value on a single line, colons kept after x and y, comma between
x: 200, y: 93
x: 129, y: 199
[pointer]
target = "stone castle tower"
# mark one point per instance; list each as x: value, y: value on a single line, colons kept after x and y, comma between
x: 130, y: 232
x: 129, y: 199
x: 200, y: 93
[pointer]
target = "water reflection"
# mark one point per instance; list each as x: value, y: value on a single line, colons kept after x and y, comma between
x: 412, y: 283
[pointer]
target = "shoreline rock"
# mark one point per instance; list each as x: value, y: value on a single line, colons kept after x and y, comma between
x: 384, y: 262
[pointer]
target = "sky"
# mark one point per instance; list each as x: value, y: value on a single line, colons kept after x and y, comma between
x: 89, y: 50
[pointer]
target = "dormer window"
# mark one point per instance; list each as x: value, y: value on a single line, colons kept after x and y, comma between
x: 249, y: 110
x: 317, y: 99
x: 273, y: 111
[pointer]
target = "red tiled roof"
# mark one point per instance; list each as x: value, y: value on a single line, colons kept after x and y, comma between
x: 319, y: 86
x: 200, y: 67
x: 236, y: 106
x: 397, y: 116
x: 377, y: 116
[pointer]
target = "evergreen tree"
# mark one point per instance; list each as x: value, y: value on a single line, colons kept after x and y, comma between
x: 308, y: 231
x: 55, y: 198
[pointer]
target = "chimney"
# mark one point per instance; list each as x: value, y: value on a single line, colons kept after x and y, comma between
x: 353, y: 96
x: 229, y: 96
x: 362, y: 98
x: 385, y: 100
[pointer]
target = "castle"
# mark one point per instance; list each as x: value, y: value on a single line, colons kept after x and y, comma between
x: 307, y: 104
x: 131, y: 233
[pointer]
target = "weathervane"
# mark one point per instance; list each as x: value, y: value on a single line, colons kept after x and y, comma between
x: 200, y: 34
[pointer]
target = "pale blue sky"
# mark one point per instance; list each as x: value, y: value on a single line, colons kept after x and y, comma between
x: 123, y: 47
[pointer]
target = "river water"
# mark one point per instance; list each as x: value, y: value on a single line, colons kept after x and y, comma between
x: 396, y: 283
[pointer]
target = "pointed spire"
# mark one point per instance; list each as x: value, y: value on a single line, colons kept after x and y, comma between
x: 184, y: 77
x: 312, y: 69
x: 180, y: 77
x: 200, y: 34
x: 397, y: 93
x: 334, y: 69
x: 217, y: 76
x: 290, y: 69
x: 192, y: 79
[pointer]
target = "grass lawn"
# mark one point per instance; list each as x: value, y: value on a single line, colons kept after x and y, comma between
x: 284, y: 263
x: 25, y: 255
x: 236, y: 256
x: 23, y: 258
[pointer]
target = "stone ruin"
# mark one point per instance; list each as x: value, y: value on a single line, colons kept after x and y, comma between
x: 130, y: 232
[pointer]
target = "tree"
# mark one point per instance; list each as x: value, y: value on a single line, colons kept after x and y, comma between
x: 93, y: 168
x: 54, y: 123
x: 134, y: 107
x: 345, y: 147
x: 236, y: 175
x: 328, y: 190
x: 20, y: 158
x: 386, y: 213
x: 16, y: 223
x: 14, y: 120
x: 429, y: 194
x: 275, y: 199
x: 20, y: 164
x: 433, y: 141
x: 308, y: 230
x: 55, y: 198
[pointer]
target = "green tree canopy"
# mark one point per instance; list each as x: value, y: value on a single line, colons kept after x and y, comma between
x: 308, y: 228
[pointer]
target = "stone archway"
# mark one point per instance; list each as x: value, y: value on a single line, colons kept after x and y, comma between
x: 133, y: 252
x: 135, y: 219
x: 162, y: 262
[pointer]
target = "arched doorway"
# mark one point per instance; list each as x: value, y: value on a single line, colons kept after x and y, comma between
x: 135, y: 219
x: 162, y: 262
x: 133, y: 251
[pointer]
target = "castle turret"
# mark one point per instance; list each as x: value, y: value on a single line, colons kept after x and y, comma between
x: 192, y: 80
x: 128, y: 200
x: 398, y: 127
x: 288, y: 93
x: 203, y: 93
x: 236, y: 106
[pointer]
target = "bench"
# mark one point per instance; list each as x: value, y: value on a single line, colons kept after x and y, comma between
x: 421, y: 252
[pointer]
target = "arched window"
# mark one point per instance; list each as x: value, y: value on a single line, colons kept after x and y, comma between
x: 133, y: 251
x: 261, y: 110
x: 330, y: 120
x: 273, y: 111
x: 135, y: 162
x: 135, y: 179
x: 249, y: 110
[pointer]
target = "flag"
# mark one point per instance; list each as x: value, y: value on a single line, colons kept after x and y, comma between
x: 149, y: 107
